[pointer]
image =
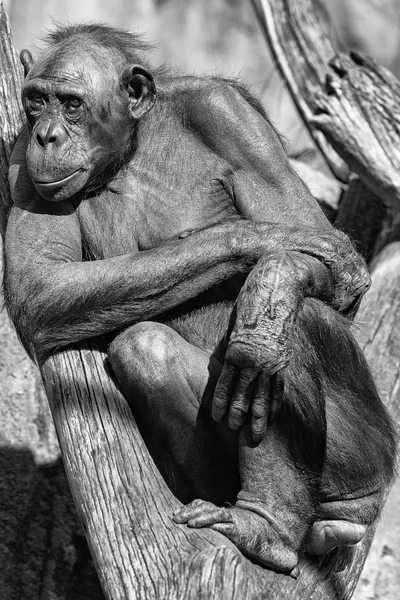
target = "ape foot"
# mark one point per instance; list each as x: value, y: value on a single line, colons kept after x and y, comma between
x: 327, y: 535
x: 250, y: 532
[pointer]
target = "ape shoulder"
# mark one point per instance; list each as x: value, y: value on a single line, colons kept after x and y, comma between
x: 188, y: 95
x: 217, y: 95
x: 244, y: 91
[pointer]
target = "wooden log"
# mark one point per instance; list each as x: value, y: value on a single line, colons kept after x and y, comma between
x: 361, y: 216
x: 296, y: 35
x: 126, y: 507
x: 351, y: 99
x: 378, y: 331
x: 358, y: 112
x: 390, y: 230
x: 11, y: 113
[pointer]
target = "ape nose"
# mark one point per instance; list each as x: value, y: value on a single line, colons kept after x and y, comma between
x: 50, y: 132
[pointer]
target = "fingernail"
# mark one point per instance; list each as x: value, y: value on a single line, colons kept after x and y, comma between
x: 217, y: 416
x: 257, y: 439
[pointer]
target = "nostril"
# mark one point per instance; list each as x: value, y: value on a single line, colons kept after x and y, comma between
x: 39, y: 140
x: 44, y: 138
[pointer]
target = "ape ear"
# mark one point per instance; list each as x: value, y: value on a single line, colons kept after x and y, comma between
x: 141, y: 88
x: 26, y: 58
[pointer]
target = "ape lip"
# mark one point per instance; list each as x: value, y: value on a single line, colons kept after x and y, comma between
x: 59, y: 181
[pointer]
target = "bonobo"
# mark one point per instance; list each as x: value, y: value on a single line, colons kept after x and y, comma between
x: 170, y: 222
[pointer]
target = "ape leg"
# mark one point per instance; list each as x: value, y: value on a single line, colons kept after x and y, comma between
x: 265, y: 335
x: 361, y: 441
x: 169, y: 384
x: 306, y: 469
x: 273, y: 511
x: 279, y: 481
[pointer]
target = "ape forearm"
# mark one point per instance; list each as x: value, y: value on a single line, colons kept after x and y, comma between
x: 58, y: 318
x: 55, y: 303
x: 268, y: 305
x: 261, y: 343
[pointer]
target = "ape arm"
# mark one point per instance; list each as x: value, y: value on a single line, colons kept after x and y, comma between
x: 56, y: 299
x: 265, y: 188
x: 260, y: 342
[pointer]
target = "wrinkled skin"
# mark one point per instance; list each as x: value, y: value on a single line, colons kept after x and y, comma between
x: 66, y: 107
x: 258, y: 351
x: 175, y: 202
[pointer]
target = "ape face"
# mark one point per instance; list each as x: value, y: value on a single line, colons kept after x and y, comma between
x: 82, y: 112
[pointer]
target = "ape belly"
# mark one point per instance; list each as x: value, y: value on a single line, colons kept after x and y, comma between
x: 205, y: 327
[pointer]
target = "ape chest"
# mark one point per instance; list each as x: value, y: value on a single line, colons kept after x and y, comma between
x: 160, y: 219
x: 113, y: 224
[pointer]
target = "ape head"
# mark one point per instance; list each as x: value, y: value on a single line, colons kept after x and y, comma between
x: 82, y: 98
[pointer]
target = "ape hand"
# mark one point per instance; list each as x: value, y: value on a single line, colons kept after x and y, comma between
x: 259, y: 348
x: 348, y: 270
x: 242, y: 392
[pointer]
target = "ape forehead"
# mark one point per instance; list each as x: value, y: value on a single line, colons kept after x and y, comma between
x: 93, y: 70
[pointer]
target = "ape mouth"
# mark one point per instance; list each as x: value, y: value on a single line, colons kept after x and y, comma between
x: 58, y: 182
x: 61, y: 189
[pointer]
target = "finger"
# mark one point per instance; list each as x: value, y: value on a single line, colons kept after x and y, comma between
x: 351, y: 310
x: 185, y: 234
x: 200, y: 513
x: 313, y: 278
x: 260, y: 407
x: 223, y: 391
x: 276, y: 396
x: 240, y: 403
x: 349, y: 270
x: 350, y: 273
x: 193, y: 504
x: 219, y: 515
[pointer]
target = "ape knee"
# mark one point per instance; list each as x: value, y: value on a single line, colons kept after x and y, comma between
x: 142, y: 352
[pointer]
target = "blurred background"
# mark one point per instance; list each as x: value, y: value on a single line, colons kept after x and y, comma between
x: 43, y: 552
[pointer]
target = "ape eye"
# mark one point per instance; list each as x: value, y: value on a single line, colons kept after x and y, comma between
x: 72, y: 105
x: 35, y: 103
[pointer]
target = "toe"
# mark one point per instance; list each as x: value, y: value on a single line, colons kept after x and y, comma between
x: 200, y: 513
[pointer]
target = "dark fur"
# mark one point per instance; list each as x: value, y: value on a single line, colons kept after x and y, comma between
x: 132, y: 47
